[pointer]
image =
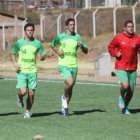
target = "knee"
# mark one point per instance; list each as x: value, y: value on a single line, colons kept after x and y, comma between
x: 23, y: 91
x: 125, y: 86
x: 31, y: 93
x: 70, y: 83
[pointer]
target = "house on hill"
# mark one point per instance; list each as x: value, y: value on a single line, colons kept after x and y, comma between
x: 109, y: 3
x: 12, y: 4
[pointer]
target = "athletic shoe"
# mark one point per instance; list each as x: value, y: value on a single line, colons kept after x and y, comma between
x: 121, y: 102
x: 64, y: 102
x: 65, y: 112
x: 125, y: 111
x: 27, y: 115
x: 20, y: 102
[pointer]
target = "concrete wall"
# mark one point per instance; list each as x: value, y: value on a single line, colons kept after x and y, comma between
x: 102, y: 65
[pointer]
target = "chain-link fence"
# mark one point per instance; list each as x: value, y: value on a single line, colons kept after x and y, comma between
x: 85, y: 29
x: 122, y: 15
x: 50, y: 27
x: 138, y: 20
x: 10, y: 33
x: 104, y: 21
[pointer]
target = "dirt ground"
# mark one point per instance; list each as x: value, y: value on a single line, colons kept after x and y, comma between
x: 48, y: 70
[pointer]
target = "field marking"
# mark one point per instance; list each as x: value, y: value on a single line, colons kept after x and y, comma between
x: 80, y: 83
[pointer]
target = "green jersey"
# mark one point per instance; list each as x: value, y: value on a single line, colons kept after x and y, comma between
x: 27, y: 54
x: 69, y: 45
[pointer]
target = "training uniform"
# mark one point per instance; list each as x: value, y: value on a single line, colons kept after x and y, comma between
x: 27, y: 60
x: 128, y: 45
x: 68, y: 44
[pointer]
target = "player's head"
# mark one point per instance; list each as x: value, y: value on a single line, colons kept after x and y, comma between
x: 129, y: 27
x: 70, y: 25
x: 29, y: 30
x: 28, y: 25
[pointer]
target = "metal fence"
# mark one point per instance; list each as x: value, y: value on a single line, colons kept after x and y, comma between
x: 93, y: 22
x: 10, y: 32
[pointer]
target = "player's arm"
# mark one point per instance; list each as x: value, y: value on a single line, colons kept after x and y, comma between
x: 16, y: 65
x: 112, y: 48
x: 13, y: 56
x: 42, y: 57
x: 54, y: 47
x: 41, y: 53
x: 57, y: 51
x: 84, y: 49
x: 139, y: 45
x: 82, y: 45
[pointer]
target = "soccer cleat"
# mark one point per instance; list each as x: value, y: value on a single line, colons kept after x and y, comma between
x: 121, y: 102
x: 65, y: 112
x: 27, y: 115
x: 125, y: 111
x: 20, y: 102
x: 64, y: 102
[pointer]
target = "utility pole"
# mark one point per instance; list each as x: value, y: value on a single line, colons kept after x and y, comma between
x: 24, y: 8
x: 73, y: 8
x: 5, y: 5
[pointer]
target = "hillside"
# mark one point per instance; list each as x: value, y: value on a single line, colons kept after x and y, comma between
x: 97, y: 45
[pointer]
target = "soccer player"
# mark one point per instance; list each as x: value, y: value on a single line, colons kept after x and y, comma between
x: 66, y: 45
x: 125, y: 47
x: 28, y: 48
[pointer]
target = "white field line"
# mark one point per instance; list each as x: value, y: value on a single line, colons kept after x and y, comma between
x: 79, y: 83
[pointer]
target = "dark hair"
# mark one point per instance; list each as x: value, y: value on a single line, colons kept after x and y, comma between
x: 29, y: 24
x: 128, y: 21
x: 68, y: 21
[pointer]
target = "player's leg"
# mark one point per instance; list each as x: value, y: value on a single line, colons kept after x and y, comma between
x: 132, y: 83
x: 123, y: 78
x: 32, y: 84
x: 22, y: 85
x: 67, y: 75
x: 123, y: 102
x: 129, y: 95
x: 124, y: 87
x: 74, y: 75
x: 29, y: 101
x: 68, y: 88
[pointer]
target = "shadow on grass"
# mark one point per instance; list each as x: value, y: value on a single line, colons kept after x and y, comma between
x: 10, y: 113
x: 134, y: 111
x: 87, y: 111
x: 44, y: 114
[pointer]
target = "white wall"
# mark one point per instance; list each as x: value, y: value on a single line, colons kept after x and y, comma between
x: 112, y: 3
x: 87, y: 4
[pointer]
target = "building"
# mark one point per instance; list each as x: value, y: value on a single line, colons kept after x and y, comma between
x: 12, y: 4
x: 109, y: 3
x: 55, y: 3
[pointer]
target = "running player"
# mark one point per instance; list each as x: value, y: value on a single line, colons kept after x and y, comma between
x: 68, y: 42
x: 28, y: 49
x: 125, y: 47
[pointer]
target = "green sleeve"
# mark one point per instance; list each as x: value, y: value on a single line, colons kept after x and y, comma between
x: 41, y: 50
x: 15, y: 48
x: 55, y: 42
x: 84, y: 44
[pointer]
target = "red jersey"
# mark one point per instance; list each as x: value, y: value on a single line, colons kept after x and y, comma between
x: 128, y: 45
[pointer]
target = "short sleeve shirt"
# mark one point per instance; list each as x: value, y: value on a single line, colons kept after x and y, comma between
x: 27, y: 54
x: 69, y: 45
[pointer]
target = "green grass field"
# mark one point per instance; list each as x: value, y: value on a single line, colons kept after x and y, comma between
x: 94, y: 110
